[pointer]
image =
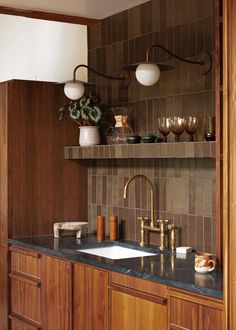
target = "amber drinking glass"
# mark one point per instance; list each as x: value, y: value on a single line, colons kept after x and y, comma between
x: 209, y: 128
x: 177, y: 127
x: 191, y: 126
x: 164, y: 125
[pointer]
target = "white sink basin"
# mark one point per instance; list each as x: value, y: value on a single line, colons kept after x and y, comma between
x: 117, y: 252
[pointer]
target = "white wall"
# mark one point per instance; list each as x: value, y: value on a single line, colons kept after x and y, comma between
x: 35, y: 49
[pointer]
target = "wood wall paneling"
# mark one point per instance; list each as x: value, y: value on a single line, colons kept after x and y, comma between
x: 4, y: 227
x: 43, y: 187
x: 229, y: 101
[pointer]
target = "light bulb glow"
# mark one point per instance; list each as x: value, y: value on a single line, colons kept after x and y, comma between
x: 74, y: 91
x: 147, y: 74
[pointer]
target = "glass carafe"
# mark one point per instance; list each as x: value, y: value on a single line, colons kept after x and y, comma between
x: 122, y: 126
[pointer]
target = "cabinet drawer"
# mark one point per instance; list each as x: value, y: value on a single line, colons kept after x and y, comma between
x: 25, y: 300
x: 130, y: 312
x: 25, y: 262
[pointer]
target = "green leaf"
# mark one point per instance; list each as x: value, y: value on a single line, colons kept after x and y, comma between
x: 84, y: 101
x: 95, y: 114
x: 73, y: 106
x: 85, y: 112
x: 75, y: 114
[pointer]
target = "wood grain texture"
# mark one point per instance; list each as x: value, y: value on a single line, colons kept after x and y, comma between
x: 25, y: 264
x: 184, y: 314
x: 187, y: 310
x: 229, y: 158
x: 19, y: 323
x: 3, y: 288
x: 129, y: 312
x: 5, y: 227
x: 47, y: 16
x: 42, y: 187
x: 219, y: 135
x: 196, y: 298
x: 212, y: 319
x: 139, y: 285
x: 16, y: 325
x: 56, y: 293
x: 25, y: 300
x: 90, y: 301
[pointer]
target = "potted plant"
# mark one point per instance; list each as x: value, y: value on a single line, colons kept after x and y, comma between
x: 86, y: 114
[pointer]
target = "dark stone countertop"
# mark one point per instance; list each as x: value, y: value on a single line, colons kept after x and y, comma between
x: 165, y: 268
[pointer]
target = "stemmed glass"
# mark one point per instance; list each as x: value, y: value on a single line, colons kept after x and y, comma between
x: 191, y: 126
x: 177, y: 127
x: 164, y: 125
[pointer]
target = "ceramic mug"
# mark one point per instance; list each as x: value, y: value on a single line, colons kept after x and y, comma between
x: 204, y: 262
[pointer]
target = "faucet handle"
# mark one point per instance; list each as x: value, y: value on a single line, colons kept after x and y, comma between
x: 143, y: 219
x: 162, y: 221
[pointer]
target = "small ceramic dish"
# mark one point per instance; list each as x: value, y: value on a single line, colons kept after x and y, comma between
x: 149, y: 138
x: 133, y: 139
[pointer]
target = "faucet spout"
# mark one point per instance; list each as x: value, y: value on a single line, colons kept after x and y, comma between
x: 141, y: 176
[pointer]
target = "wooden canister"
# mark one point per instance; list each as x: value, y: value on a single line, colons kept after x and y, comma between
x: 113, y: 223
x: 100, y: 228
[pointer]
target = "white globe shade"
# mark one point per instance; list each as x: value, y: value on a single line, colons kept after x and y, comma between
x: 147, y: 74
x: 74, y: 91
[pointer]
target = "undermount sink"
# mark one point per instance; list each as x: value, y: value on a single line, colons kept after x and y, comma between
x: 117, y: 252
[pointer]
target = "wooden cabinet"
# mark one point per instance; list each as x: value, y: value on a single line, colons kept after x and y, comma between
x: 193, y: 312
x: 26, y: 301
x: 37, y: 186
x: 41, y: 291
x: 56, y: 293
x: 137, y: 304
x: 90, y: 298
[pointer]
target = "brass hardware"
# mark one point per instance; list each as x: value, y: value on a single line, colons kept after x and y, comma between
x: 148, y: 225
x: 172, y: 237
x: 162, y: 233
x: 141, y: 176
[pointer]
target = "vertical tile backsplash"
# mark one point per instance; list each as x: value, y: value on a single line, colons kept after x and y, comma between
x: 185, y: 189
x: 184, y: 194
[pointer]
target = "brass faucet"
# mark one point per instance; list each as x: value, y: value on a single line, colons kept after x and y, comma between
x: 141, y: 176
x: 161, y: 227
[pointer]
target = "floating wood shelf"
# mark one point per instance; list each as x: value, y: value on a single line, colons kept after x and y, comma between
x: 142, y: 150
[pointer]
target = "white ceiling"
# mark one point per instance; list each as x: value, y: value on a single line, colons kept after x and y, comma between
x: 86, y: 8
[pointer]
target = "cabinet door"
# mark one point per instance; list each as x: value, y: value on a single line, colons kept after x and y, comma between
x: 90, y: 298
x: 56, y: 293
x: 212, y: 319
x: 183, y: 314
x: 135, y: 313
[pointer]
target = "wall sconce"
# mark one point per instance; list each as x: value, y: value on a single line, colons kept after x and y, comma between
x: 74, y: 89
x: 148, y: 73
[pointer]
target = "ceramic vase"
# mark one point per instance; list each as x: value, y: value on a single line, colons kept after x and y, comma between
x: 89, y: 136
